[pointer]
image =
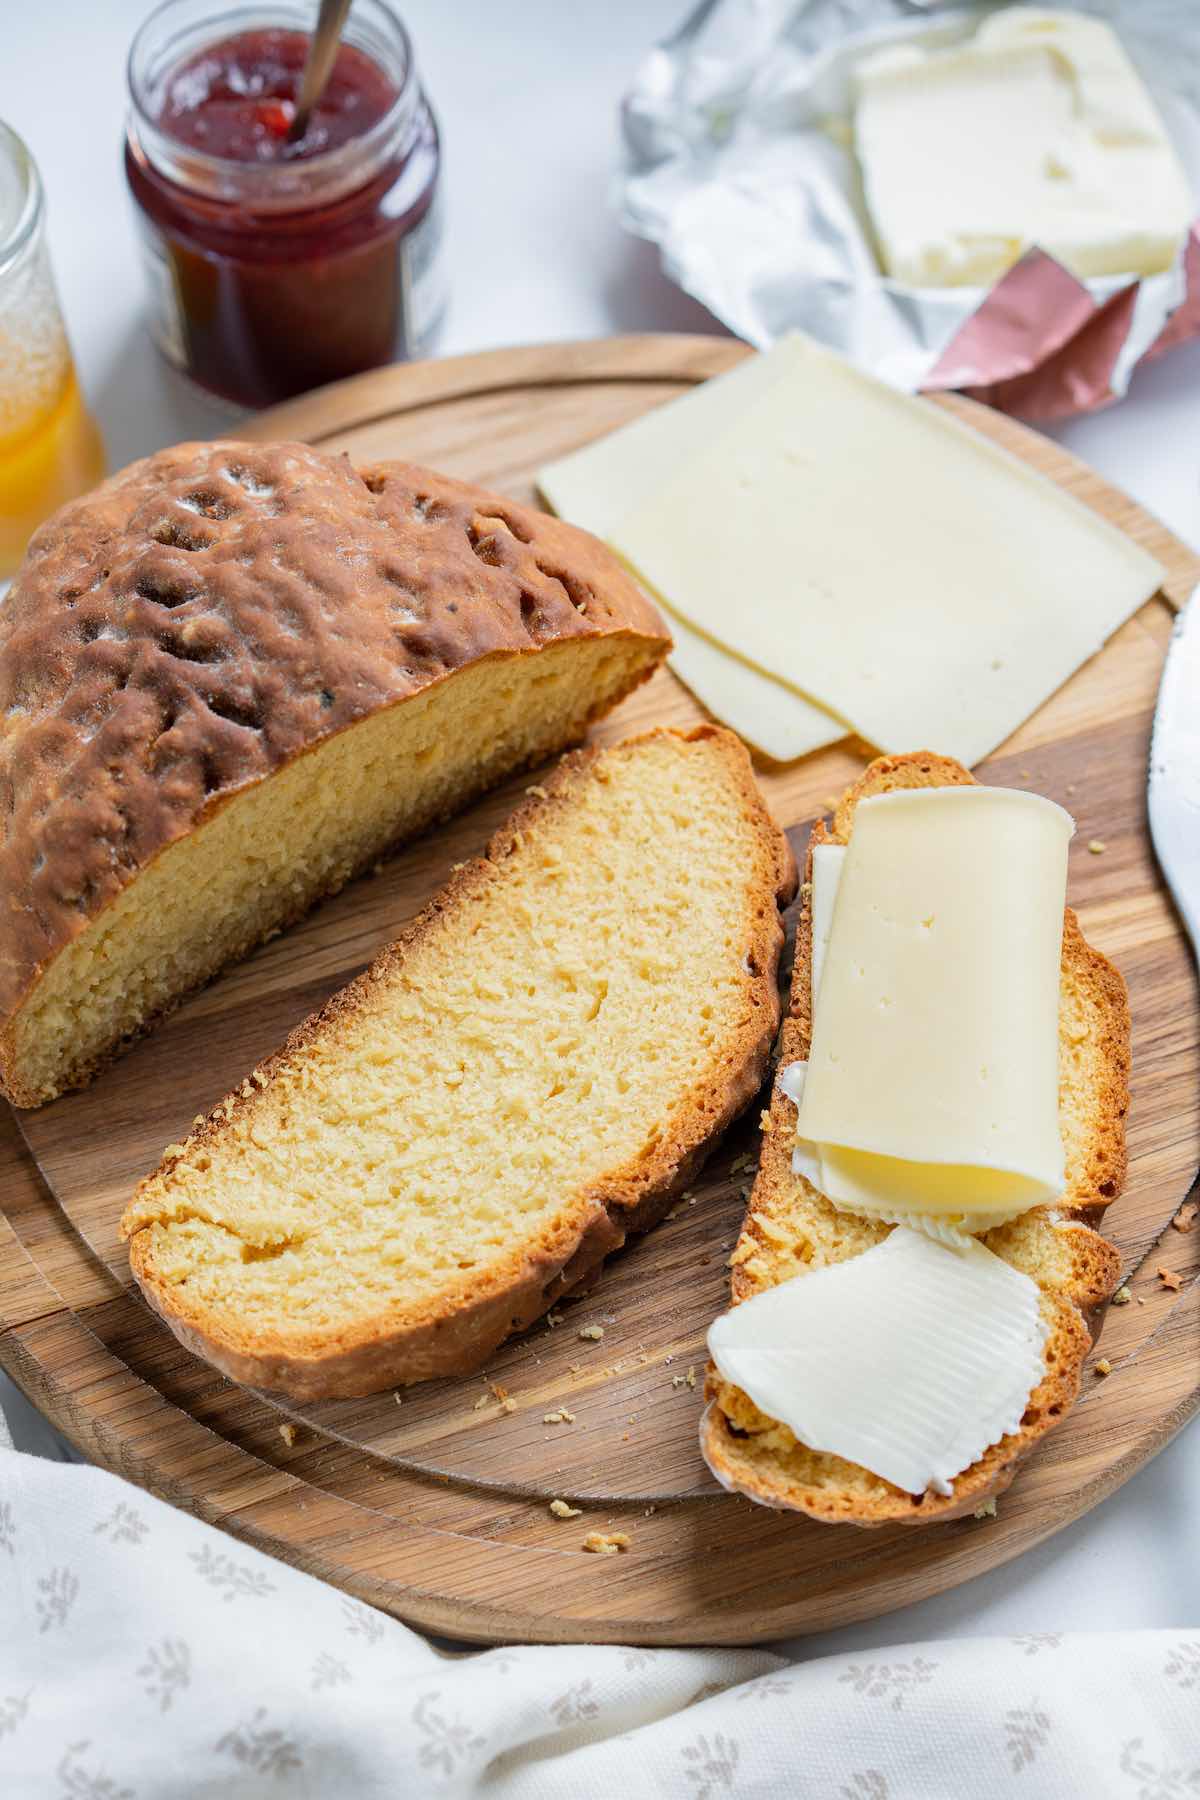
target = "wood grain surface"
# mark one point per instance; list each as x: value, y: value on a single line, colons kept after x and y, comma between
x: 437, y: 1508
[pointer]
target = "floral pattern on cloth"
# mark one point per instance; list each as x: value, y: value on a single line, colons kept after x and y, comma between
x: 145, y: 1656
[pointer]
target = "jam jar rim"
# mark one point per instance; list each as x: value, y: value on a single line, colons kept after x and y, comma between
x: 272, y: 186
x: 27, y: 223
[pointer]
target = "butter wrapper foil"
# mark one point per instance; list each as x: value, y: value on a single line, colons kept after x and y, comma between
x: 739, y: 165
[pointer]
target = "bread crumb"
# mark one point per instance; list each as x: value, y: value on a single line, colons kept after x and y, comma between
x: 987, y: 1510
x: 1104, y: 1367
x: 287, y: 1432
x: 483, y: 1400
x: 502, y: 1395
x: 398, y: 1398
x: 1169, y: 1278
x: 1141, y: 1299
x: 539, y: 791
x: 507, y: 1405
x: 553, y: 1318
x: 455, y: 867
x: 561, y: 1510
x: 1070, y: 787
x: 1025, y: 774
x: 1185, y: 1218
x: 1123, y: 1295
x: 561, y: 1417
x: 606, y: 1543
x: 740, y: 1163
x: 1097, y: 847
x: 688, y: 1380
x: 592, y: 1333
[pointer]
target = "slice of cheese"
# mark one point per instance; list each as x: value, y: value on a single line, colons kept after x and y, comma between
x: 768, y: 715
x: 1035, y: 131
x: 828, y: 860
x: 597, y: 486
x: 892, y: 565
x: 931, y: 1092
x: 910, y: 1360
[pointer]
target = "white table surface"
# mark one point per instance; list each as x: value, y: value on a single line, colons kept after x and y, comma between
x: 526, y: 94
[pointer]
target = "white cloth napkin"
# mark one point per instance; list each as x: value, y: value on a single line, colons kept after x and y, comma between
x: 146, y: 1656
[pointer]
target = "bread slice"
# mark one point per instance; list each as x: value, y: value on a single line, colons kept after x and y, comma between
x: 533, y: 1071
x: 791, y: 1229
x: 238, y: 674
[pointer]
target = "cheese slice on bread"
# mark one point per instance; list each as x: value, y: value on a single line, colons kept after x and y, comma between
x: 792, y: 1230
x: 534, y: 1070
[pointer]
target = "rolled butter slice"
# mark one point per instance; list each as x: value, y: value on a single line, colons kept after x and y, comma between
x: 931, y: 1091
x: 910, y: 1360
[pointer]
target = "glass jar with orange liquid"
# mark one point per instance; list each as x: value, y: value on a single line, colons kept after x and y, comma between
x: 50, y: 449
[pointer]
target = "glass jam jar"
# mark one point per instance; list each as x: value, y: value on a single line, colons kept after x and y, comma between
x: 50, y: 449
x: 275, y: 267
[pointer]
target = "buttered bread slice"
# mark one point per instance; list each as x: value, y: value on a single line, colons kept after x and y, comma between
x: 1066, y: 1269
x: 533, y: 1071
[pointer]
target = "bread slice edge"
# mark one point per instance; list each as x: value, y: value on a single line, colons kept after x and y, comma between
x: 400, y: 1349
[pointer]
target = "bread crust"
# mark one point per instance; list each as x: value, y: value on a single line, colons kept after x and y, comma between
x: 515, y: 1290
x: 753, y: 1455
x: 214, y: 611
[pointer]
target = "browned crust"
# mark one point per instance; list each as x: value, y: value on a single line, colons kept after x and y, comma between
x: 469, y: 1323
x: 12, y: 1086
x: 746, y: 1458
x: 210, y: 613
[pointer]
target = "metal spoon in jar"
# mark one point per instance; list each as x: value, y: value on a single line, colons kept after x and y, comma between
x: 318, y: 64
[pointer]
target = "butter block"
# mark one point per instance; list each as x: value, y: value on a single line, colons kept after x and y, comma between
x: 931, y: 1092
x: 891, y: 565
x: 909, y: 1360
x: 597, y: 486
x: 1037, y: 130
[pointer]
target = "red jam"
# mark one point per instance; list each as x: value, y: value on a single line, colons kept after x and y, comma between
x: 237, y: 99
x: 278, y: 266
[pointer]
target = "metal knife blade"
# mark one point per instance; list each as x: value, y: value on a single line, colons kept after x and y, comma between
x: 1174, y: 788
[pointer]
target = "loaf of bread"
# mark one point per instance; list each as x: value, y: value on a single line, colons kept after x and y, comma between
x: 233, y: 677
x: 791, y: 1230
x: 533, y: 1071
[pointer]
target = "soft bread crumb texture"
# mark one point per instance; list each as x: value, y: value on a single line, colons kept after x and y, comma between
x: 535, y: 1068
x: 199, y: 623
x: 791, y: 1229
x: 272, y: 850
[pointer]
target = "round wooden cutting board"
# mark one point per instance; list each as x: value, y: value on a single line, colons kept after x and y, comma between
x: 438, y: 1508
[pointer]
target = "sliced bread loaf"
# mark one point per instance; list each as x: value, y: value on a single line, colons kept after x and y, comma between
x: 791, y: 1229
x: 236, y: 675
x: 532, y: 1072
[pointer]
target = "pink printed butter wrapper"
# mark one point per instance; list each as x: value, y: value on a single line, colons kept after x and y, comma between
x: 740, y: 165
